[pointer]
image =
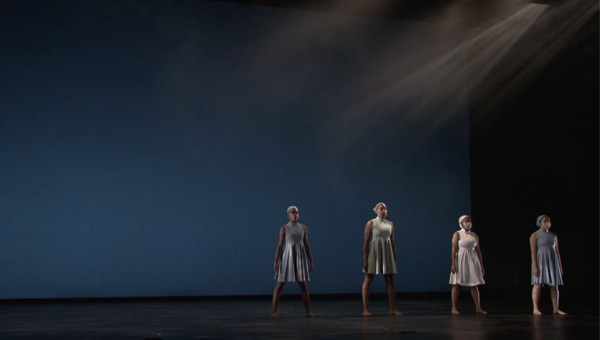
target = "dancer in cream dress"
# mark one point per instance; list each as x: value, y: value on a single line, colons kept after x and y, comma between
x: 379, y: 257
x: 467, y: 264
x: 290, y: 261
x: 546, y: 266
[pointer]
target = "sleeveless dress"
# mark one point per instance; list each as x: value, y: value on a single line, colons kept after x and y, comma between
x: 468, y: 268
x: 548, y: 260
x: 381, y: 255
x: 293, y: 265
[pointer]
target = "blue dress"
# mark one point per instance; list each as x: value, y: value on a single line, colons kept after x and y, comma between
x: 381, y: 254
x: 293, y: 265
x: 548, y: 260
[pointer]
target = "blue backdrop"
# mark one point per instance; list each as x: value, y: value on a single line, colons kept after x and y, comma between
x: 152, y: 148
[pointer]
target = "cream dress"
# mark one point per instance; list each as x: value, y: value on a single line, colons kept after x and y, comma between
x: 468, y: 268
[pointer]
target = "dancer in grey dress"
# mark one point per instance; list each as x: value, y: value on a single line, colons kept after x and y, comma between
x: 546, y: 267
x: 293, y: 265
x: 379, y: 257
x: 290, y: 261
x: 467, y: 264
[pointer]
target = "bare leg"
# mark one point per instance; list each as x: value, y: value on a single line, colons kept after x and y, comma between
x: 454, y: 298
x: 391, y: 293
x: 475, y: 295
x: 305, y: 298
x: 554, y: 294
x: 535, y: 297
x: 276, y: 296
x: 365, y: 293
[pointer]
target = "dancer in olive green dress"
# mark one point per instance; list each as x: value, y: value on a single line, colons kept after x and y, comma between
x: 379, y: 257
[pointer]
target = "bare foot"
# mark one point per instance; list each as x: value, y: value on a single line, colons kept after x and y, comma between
x: 274, y: 316
x: 455, y: 312
x: 310, y: 315
x: 482, y: 312
x: 395, y: 312
x: 366, y: 313
x: 536, y: 312
x: 560, y: 312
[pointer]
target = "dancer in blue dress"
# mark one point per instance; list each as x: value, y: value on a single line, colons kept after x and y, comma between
x: 546, y: 266
x: 379, y: 257
x: 290, y: 261
x: 467, y: 264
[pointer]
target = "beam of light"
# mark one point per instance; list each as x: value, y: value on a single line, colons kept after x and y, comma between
x: 548, y: 37
x: 488, y: 48
x: 426, y: 91
x: 402, y: 75
x: 419, y: 78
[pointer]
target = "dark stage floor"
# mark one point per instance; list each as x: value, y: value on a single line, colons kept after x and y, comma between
x: 424, y: 318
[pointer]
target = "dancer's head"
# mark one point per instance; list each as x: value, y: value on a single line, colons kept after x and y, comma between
x: 293, y: 213
x: 381, y: 210
x: 543, y: 221
x: 465, y: 222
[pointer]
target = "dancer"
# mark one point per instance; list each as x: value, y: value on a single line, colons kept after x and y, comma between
x: 379, y: 257
x: 290, y: 264
x: 546, y: 266
x: 467, y: 264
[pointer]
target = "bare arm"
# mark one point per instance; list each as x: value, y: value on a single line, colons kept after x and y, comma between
x: 533, y: 247
x: 455, y: 239
x: 393, y: 243
x: 368, y: 231
x: 307, y: 247
x: 279, y: 246
x: 558, y: 253
x: 478, y: 251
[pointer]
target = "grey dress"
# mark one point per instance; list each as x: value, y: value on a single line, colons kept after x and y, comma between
x: 548, y: 260
x: 293, y: 264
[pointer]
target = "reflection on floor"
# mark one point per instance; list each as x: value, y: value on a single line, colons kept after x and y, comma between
x: 336, y: 318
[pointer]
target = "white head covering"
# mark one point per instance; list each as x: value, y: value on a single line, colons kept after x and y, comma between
x: 539, y: 220
x: 377, y: 206
x: 292, y: 207
x: 460, y: 219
